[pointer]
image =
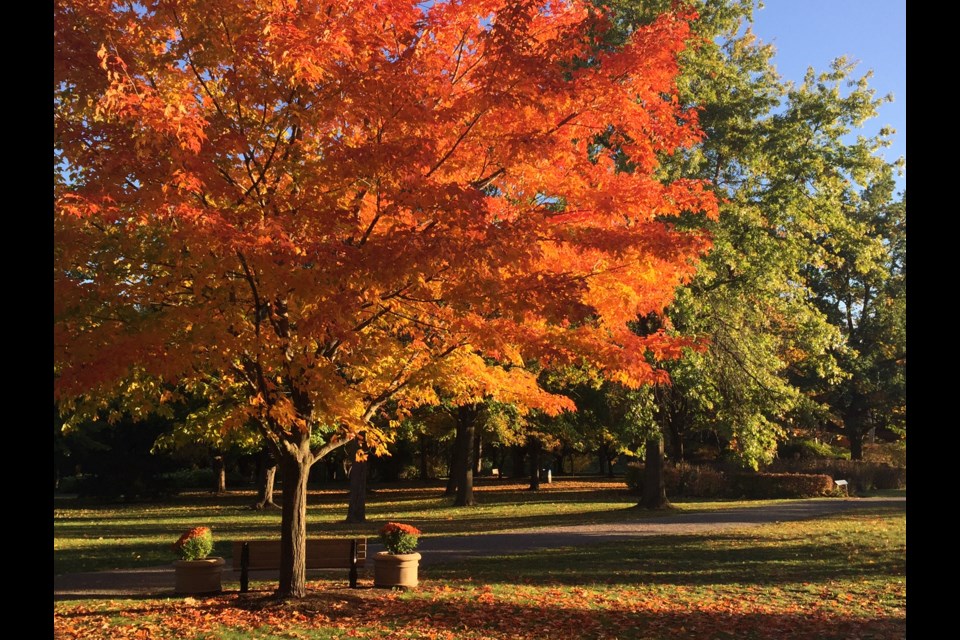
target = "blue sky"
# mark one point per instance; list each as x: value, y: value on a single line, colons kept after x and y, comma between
x: 814, y: 32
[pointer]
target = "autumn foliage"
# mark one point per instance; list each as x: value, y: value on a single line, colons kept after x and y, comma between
x: 309, y: 210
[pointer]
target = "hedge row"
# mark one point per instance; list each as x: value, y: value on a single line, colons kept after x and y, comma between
x: 759, y: 486
x: 862, y: 476
x: 706, y: 482
x: 683, y: 480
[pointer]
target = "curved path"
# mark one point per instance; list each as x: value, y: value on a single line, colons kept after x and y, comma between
x: 158, y: 581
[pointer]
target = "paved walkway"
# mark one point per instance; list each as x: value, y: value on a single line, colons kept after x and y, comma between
x: 158, y: 581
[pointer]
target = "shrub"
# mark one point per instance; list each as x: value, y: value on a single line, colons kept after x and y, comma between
x: 759, y: 486
x: 634, y: 478
x: 69, y: 484
x: 135, y: 487
x: 684, y: 479
x: 700, y: 481
x: 184, y: 479
x: 806, y: 449
x: 891, y: 453
x: 862, y: 475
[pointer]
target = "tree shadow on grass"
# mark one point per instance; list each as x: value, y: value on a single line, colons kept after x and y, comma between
x: 685, y: 560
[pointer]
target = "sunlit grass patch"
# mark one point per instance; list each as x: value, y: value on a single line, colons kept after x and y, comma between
x: 836, y: 577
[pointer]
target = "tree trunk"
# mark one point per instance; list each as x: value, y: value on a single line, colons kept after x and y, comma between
x: 534, y: 464
x: 293, y: 525
x: 854, y: 433
x: 220, y: 473
x: 467, y: 425
x: 266, y: 474
x: 477, y: 450
x: 357, y: 509
x: 424, y: 459
x: 457, y: 460
x: 519, y: 468
x: 501, y: 459
x: 602, y: 457
x: 451, y: 489
x: 654, y: 488
x: 676, y: 441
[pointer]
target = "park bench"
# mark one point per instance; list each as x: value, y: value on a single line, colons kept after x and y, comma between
x: 322, y: 553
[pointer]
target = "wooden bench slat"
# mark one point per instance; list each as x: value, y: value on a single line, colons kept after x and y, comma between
x: 322, y: 553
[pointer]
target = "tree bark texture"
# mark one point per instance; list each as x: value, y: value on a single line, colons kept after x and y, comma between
x: 654, y: 488
x: 466, y: 433
x: 266, y: 475
x: 295, y: 466
x: 477, y: 450
x: 220, y: 473
x: 854, y: 433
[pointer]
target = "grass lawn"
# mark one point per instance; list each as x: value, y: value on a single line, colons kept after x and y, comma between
x: 837, y: 577
x: 91, y: 537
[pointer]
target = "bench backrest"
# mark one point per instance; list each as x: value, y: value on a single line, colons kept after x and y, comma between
x: 322, y: 553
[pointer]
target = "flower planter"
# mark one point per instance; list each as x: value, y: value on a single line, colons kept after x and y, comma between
x: 398, y: 570
x: 198, y: 576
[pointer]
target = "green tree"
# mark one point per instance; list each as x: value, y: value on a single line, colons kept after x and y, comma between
x: 862, y: 290
x: 204, y: 427
x: 783, y: 160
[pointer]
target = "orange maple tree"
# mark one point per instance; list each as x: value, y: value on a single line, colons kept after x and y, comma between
x: 316, y: 208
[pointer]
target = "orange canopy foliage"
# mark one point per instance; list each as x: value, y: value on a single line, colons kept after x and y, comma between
x: 332, y: 204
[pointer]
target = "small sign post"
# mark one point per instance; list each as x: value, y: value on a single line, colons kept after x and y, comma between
x: 844, y: 484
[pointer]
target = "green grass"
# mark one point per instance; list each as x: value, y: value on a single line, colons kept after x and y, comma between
x: 885, y: 493
x: 836, y: 577
x: 90, y: 537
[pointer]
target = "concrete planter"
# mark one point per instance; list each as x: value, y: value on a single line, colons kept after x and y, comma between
x: 396, y: 570
x: 194, y: 577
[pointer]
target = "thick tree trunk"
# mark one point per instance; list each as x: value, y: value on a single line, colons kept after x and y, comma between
x: 535, y: 464
x: 854, y: 433
x: 654, y: 488
x: 357, y: 509
x: 220, y: 473
x: 266, y: 475
x: 293, y: 527
x: 467, y: 425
